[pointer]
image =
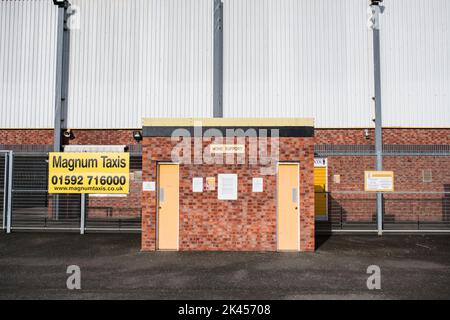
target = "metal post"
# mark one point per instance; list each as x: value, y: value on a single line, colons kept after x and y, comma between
x: 83, y: 213
x: 218, y: 59
x: 60, y: 85
x: 59, y: 77
x: 9, y: 204
x: 5, y: 188
x: 376, y: 10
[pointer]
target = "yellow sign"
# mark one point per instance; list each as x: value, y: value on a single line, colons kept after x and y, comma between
x: 380, y: 181
x: 88, y: 172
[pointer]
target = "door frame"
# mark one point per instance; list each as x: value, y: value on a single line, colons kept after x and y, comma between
x: 157, y: 205
x: 298, y: 201
x: 325, y: 218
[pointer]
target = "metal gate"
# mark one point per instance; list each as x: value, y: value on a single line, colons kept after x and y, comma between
x: 33, y: 208
x: 27, y: 205
x: 2, y: 189
x: 117, y: 212
x: 5, y: 189
x: 420, y: 203
x: 402, y: 211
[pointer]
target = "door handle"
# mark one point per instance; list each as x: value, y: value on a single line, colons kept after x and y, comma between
x: 159, y: 207
x: 296, y: 208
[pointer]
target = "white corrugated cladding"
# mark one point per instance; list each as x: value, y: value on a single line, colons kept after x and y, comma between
x: 314, y: 58
x: 27, y: 63
x: 415, y: 44
x: 131, y: 59
x: 290, y: 58
x: 137, y: 58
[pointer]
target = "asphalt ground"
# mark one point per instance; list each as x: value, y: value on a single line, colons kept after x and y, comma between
x: 34, y: 266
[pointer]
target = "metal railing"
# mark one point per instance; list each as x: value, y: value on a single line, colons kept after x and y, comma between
x: 6, y: 160
x: 402, y: 211
x: 3, y: 189
x: 33, y: 208
x: 26, y: 203
x: 327, y: 150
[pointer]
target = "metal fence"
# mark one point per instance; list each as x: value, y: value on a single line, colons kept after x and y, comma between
x: 33, y: 208
x: 24, y: 198
x: 422, y: 183
x: 2, y: 189
x: 117, y: 212
x: 6, y: 187
x: 402, y: 211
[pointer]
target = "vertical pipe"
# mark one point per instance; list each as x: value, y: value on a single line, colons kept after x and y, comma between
x: 378, y: 122
x: 218, y: 59
x: 83, y: 213
x: 9, y: 205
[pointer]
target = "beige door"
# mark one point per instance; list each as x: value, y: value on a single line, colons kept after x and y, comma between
x: 288, y: 207
x: 168, y: 206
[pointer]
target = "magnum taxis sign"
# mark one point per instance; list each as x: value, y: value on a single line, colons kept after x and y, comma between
x: 88, y: 172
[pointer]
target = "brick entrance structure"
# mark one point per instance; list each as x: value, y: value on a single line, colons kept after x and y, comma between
x: 250, y: 222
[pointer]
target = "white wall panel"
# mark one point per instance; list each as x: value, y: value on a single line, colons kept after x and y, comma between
x: 138, y: 58
x: 291, y: 58
x: 153, y: 58
x: 415, y: 63
x: 27, y: 63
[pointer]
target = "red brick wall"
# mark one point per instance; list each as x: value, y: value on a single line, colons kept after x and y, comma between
x: 408, y: 176
x: 322, y: 136
x: 408, y: 169
x: 110, y: 136
x: 21, y: 136
x: 120, y: 207
x: 390, y: 136
x: 246, y: 224
x: 45, y: 136
x: 128, y: 206
x: 398, y: 206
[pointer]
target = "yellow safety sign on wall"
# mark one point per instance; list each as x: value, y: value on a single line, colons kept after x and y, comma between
x: 380, y: 181
x: 88, y: 172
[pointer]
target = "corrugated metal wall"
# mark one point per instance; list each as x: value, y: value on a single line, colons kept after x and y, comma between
x: 415, y: 43
x: 292, y: 58
x: 314, y: 58
x: 138, y: 58
x: 27, y: 63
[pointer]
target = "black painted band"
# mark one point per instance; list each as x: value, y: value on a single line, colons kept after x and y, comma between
x: 285, y: 131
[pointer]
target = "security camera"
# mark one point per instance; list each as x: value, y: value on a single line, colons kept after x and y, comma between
x: 68, y: 134
x: 137, y: 135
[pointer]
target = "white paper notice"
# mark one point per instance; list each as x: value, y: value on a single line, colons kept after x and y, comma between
x: 148, y: 186
x: 257, y: 185
x: 197, y: 184
x: 379, y: 181
x: 227, y: 186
